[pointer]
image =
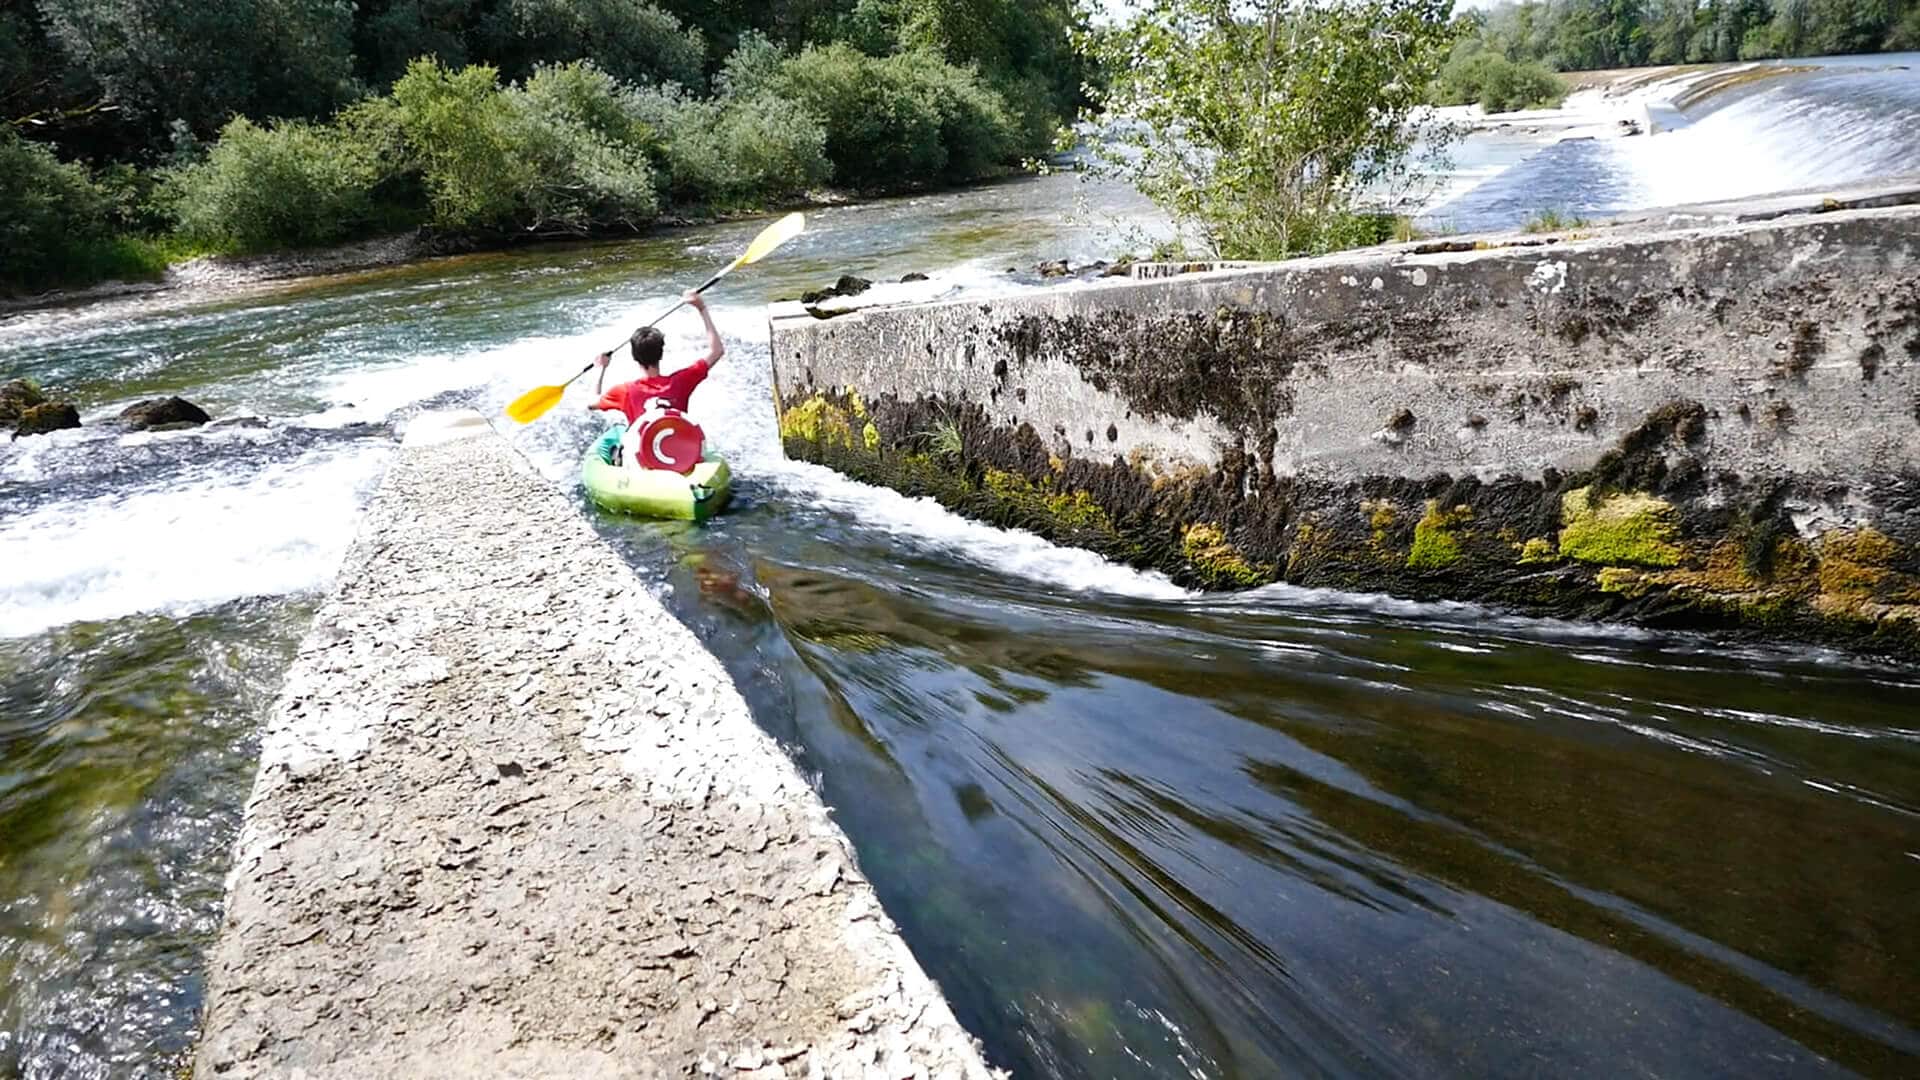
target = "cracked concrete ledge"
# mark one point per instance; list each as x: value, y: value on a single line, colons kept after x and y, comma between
x: 513, y: 820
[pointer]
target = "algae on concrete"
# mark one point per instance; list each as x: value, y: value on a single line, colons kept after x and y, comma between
x: 1218, y: 562
x: 1436, y: 544
x: 1622, y: 529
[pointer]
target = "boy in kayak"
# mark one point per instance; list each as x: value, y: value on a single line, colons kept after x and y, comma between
x: 631, y: 399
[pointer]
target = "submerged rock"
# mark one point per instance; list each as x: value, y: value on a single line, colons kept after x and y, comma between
x: 167, y: 412
x: 16, y: 397
x: 52, y: 416
x: 914, y: 277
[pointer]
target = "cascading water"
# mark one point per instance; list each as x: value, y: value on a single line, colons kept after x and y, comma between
x: 1718, y: 135
x: 1131, y: 830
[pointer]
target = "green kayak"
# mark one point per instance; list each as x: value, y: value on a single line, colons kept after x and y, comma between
x: 658, y: 493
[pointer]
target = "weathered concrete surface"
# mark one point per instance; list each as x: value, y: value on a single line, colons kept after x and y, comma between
x: 1714, y: 426
x: 513, y: 820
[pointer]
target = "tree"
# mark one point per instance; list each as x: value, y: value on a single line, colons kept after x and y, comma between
x: 204, y: 61
x: 633, y: 42
x: 1259, y: 123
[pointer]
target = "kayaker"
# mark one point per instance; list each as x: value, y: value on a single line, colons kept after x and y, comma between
x: 631, y: 399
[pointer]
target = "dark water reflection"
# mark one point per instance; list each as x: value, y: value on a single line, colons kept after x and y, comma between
x: 1295, y: 834
x: 126, y: 750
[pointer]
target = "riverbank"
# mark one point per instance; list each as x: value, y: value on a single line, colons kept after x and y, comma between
x: 511, y: 818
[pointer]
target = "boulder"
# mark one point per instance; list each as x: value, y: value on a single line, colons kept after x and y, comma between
x: 848, y: 285
x: 16, y: 397
x: 52, y: 416
x: 1055, y: 269
x: 167, y: 412
x: 913, y: 277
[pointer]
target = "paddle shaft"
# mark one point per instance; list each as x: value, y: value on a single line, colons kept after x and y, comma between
x: 708, y: 284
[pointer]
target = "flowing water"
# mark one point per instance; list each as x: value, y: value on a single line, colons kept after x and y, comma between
x: 1132, y: 831
x: 1848, y: 119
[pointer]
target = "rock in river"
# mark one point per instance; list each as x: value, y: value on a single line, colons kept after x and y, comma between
x: 16, y: 397
x: 40, y: 419
x: 167, y: 412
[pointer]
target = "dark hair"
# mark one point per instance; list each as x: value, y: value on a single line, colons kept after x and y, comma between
x: 648, y: 343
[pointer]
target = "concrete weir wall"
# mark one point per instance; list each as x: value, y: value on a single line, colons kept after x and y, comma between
x: 512, y: 820
x: 1715, y: 426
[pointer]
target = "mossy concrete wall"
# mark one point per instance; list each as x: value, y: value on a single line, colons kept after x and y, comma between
x: 1715, y: 427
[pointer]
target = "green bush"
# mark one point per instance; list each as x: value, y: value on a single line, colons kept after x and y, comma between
x: 293, y: 185
x: 736, y: 151
x: 565, y: 153
x: 51, y: 213
x: 899, y: 121
x: 752, y: 67
x: 582, y: 135
x: 1473, y: 75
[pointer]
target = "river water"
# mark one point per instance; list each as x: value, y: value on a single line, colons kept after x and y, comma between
x: 1132, y: 831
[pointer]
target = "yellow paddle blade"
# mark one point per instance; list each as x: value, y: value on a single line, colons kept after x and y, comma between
x: 534, y: 404
x: 772, y: 237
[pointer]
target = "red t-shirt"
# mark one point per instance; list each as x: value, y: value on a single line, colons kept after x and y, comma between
x: 631, y: 398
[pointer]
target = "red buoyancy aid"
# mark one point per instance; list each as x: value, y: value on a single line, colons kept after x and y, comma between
x: 664, y: 438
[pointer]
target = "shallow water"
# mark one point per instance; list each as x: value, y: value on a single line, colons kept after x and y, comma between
x: 1132, y: 831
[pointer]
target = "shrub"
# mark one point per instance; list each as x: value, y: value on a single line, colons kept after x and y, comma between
x: 565, y: 153
x: 456, y: 133
x: 753, y: 66
x: 51, y: 212
x: 582, y: 136
x: 899, y: 121
x: 773, y: 149
x: 735, y: 151
x: 293, y: 185
x: 1551, y: 220
x: 1473, y: 75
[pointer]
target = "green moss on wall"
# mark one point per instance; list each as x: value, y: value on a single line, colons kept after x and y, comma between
x: 1625, y: 529
x: 1539, y: 551
x: 1855, y: 561
x: 1217, y: 562
x: 817, y: 420
x: 1436, y: 539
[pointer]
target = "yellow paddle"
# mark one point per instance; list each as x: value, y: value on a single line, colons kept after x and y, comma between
x: 534, y: 404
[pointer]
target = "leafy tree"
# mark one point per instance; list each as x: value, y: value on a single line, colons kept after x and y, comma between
x: 1259, y: 124
x: 47, y: 206
x: 204, y: 61
x: 632, y: 41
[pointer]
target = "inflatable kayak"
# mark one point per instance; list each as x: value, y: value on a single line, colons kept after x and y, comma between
x: 658, y: 493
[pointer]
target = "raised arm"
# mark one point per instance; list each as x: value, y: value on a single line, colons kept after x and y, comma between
x: 600, y: 383
x: 715, y: 347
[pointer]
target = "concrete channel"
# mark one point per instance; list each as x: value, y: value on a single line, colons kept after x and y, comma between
x: 513, y: 820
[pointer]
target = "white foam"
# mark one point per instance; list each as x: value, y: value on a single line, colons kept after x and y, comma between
x: 185, y: 548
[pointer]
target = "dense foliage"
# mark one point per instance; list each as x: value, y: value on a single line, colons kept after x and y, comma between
x: 1475, y: 74
x: 1581, y: 35
x: 1260, y: 124
x: 259, y: 124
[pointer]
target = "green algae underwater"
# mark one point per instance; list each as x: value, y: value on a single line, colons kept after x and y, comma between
x: 1132, y: 830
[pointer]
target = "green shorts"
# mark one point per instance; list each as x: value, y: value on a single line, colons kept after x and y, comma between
x: 609, y: 445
